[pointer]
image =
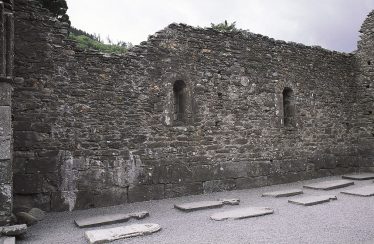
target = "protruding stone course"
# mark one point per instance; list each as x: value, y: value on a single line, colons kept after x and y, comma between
x: 108, y: 235
x: 365, y: 191
x: 242, y: 213
x: 14, y: 230
x: 312, y: 200
x: 109, y: 219
x: 330, y: 185
x: 193, y: 206
x: 359, y: 176
x: 283, y: 193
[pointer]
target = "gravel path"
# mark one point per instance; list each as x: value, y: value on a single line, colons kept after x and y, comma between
x: 349, y: 220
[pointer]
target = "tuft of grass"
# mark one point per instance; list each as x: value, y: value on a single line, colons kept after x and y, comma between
x: 86, y: 42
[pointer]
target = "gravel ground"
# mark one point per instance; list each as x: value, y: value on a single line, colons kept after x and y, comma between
x: 350, y: 220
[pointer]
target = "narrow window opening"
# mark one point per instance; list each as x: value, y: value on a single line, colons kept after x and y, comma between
x: 179, y: 99
x: 288, y: 107
x: 369, y: 62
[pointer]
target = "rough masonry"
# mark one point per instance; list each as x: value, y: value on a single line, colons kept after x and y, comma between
x: 189, y: 111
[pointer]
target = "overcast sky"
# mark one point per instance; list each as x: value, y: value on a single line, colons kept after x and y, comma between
x: 332, y: 24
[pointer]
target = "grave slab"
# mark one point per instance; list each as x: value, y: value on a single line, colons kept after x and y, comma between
x: 112, y: 234
x: 329, y: 185
x: 7, y: 240
x: 359, y: 176
x: 193, y: 206
x: 109, y: 219
x: 312, y: 200
x: 242, y: 213
x: 283, y: 193
x: 13, y: 230
x: 365, y: 191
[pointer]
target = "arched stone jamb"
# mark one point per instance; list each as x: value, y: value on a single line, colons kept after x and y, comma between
x: 279, y: 100
x: 170, y: 114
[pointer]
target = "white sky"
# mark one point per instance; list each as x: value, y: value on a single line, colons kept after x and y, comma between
x: 332, y: 24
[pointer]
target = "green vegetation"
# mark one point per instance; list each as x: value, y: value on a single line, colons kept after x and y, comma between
x: 58, y: 9
x: 224, y: 27
x: 89, y: 41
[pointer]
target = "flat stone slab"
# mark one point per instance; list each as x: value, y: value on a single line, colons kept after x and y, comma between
x: 329, y: 185
x: 312, y: 200
x: 283, y: 193
x: 365, y: 191
x: 108, y: 235
x: 193, y: 206
x: 109, y: 219
x: 13, y: 230
x: 242, y: 213
x: 7, y: 240
x: 359, y: 176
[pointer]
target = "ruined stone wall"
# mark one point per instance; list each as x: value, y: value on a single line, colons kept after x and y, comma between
x: 190, y: 111
x: 364, y: 108
x: 6, y: 79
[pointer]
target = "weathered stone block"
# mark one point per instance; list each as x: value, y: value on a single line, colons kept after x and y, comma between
x: 6, y: 198
x: 5, y: 148
x: 27, y: 183
x: 144, y: 193
x: 84, y: 200
x: 5, y: 172
x: 5, y: 121
x: 59, y: 201
x: 42, y: 165
x: 178, y: 190
x: 180, y: 173
x: 234, y: 169
x: 218, y: 185
x: 246, y: 183
x: 111, y: 196
x: 5, y: 94
x: 92, y: 179
x: 326, y: 161
x: 202, y: 173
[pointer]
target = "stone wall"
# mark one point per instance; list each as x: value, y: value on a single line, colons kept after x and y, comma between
x: 364, y: 108
x: 190, y: 111
x: 6, y: 78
